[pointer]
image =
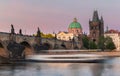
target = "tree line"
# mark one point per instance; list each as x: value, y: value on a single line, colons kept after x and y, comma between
x: 104, y: 43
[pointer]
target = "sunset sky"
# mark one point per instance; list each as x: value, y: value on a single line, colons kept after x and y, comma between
x: 55, y: 15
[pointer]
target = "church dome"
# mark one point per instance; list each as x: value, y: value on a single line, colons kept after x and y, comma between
x: 75, y: 24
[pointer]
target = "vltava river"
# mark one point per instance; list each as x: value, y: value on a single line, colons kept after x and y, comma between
x: 110, y: 67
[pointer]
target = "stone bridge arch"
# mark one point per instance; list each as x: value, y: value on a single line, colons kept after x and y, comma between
x: 47, y: 45
x: 26, y: 44
x: 3, y: 49
x: 1, y: 45
x: 28, y: 48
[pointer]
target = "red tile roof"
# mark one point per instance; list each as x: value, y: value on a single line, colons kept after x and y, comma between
x: 112, y: 31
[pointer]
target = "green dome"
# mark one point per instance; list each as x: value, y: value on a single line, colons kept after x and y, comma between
x: 75, y: 24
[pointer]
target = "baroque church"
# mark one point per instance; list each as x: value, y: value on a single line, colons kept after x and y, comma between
x: 74, y: 30
x: 96, y: 27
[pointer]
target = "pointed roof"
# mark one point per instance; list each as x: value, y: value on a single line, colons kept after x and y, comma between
x: 102, y: 19
x: 95, y: 16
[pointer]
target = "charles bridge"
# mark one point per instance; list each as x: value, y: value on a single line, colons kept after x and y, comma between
x: 35, y: 43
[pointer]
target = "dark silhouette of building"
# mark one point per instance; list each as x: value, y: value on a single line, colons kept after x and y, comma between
x: 96, y: 27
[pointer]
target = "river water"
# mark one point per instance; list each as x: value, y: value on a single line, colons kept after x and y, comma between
x: 110, y: 67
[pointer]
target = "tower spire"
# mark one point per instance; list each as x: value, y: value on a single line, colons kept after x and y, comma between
x: 95, y: 16
x: 102, y: 19
x: 107, y: 28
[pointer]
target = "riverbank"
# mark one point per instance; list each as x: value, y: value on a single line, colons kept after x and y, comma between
x: 29, y: 51
x: 105, y: 53
x: 111, y: 54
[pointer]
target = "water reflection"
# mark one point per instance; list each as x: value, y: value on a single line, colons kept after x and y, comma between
x: 109, y: 68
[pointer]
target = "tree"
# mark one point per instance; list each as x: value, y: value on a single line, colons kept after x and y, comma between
x: 49, y: 36
x: 85, y: 41
x: 101, y: 44
x: 109, y: 43
x: 45, y: 35
x: 92, y: 45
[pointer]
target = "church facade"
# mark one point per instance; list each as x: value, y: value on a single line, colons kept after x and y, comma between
x: 96, y: 27
x: 74, y: 30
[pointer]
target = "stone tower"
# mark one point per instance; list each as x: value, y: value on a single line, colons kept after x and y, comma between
x: 96, y: 27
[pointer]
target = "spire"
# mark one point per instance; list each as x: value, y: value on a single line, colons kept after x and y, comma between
x: 95, y: 16
x: 102, y: 19
x: 75, y: 20
x: 107, y: 28
x: 38, y: 32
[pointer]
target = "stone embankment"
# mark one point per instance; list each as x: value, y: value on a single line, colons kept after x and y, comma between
x: 107, y: 54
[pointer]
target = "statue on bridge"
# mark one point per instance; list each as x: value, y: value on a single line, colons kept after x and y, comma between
x: 38, y: 33
x: 12, y: 36
x: 12, y: 29
x: 20, y: 32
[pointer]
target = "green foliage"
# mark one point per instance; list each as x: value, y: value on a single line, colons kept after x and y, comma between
x: 85, y: 41
x: 109, y: 43
x: 101, y: 43
x: 110, y: 46
x: 45, y: 35
x: 48, y: 36
x: 106, y: 43
x: 92, y: 45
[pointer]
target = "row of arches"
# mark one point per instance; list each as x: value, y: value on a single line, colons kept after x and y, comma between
x: 24, y: 49
x: 27, y: 45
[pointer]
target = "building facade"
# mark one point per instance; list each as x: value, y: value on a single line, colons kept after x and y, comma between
x: 65, y: 36
x: 96, y: 27
x: 115, y: 35
x: 74, y: 30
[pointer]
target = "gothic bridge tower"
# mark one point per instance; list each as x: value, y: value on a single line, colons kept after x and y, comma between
x: 96, y: 27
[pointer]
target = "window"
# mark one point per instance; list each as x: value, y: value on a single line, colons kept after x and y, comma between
x: 77, y: 31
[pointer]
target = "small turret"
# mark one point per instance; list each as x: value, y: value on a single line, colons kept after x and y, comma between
x: 107, y: 28
x: 75, y: 20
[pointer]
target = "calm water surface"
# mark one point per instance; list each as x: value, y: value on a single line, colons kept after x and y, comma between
x: 110, y: 67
